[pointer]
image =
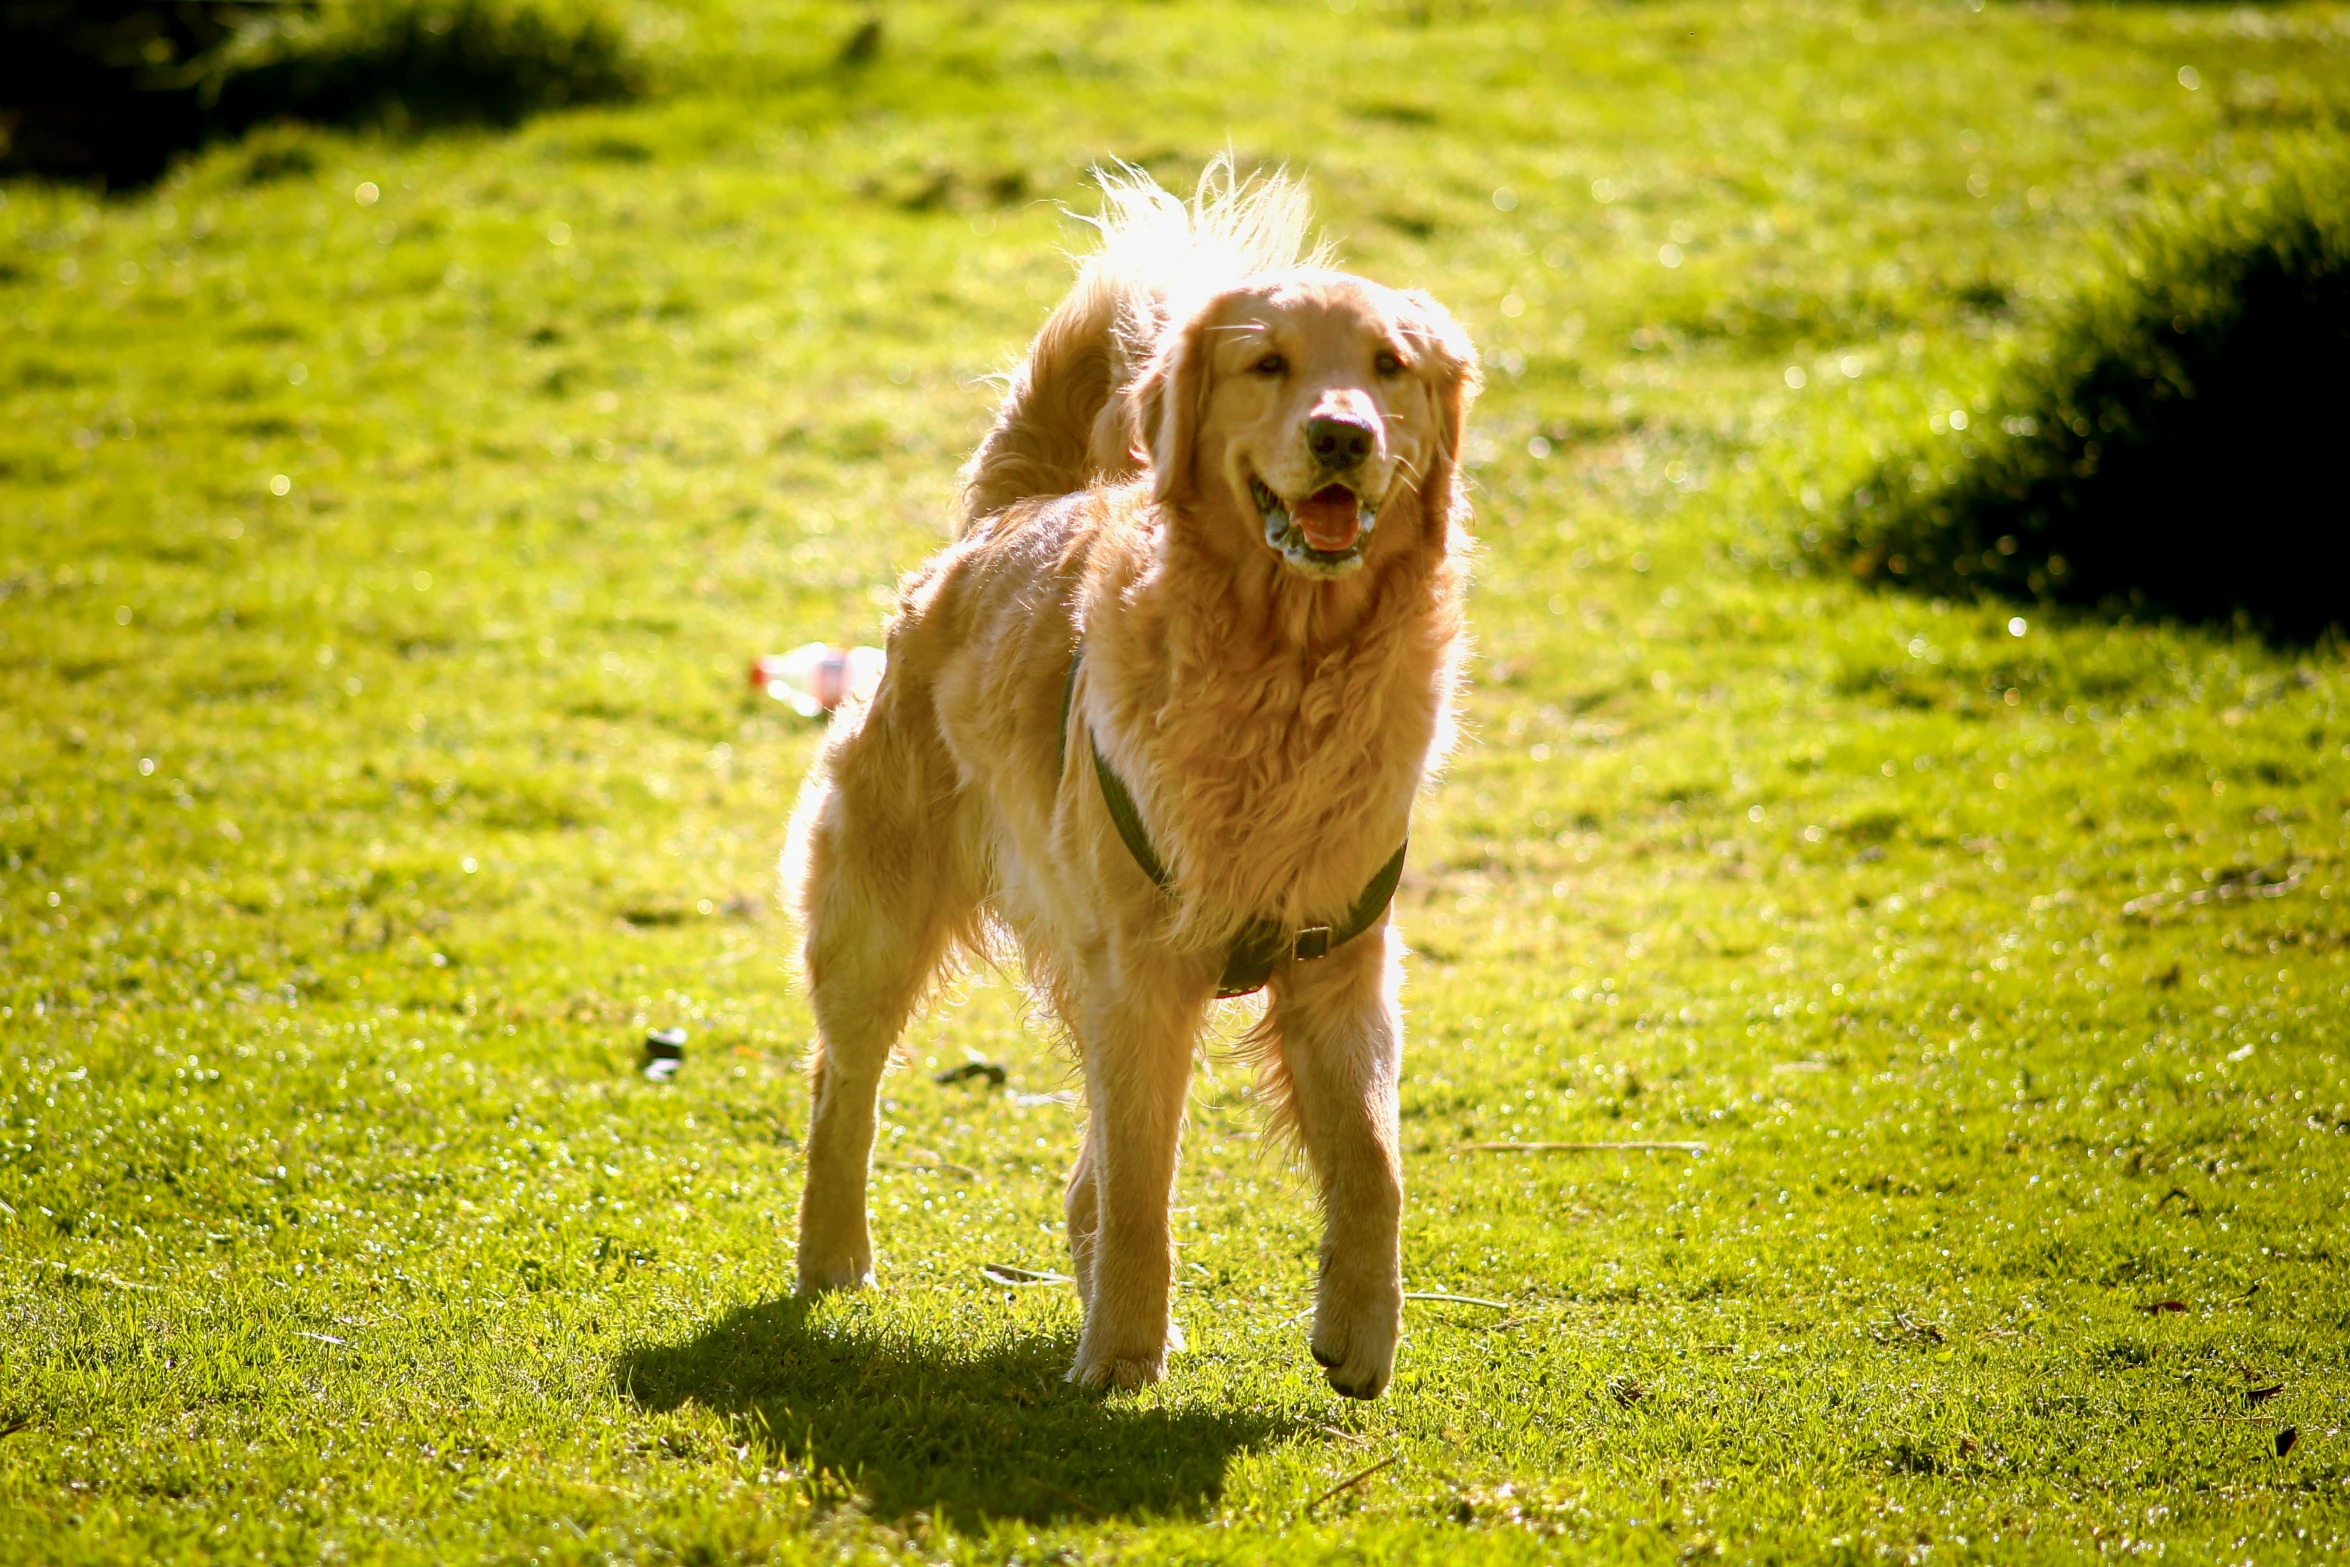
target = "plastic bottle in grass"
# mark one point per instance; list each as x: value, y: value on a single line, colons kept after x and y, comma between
x: 817, y: 677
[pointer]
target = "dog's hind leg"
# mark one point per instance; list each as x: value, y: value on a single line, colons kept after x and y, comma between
x: 887, y: 885
x: 1333, y: 1042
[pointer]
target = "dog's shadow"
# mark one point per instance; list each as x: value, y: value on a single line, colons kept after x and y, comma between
x: 916, y: 1425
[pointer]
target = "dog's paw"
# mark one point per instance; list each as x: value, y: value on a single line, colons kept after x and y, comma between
x: 1357, y: 1350
x: 819, y: 1276
x: 1117, y: 1373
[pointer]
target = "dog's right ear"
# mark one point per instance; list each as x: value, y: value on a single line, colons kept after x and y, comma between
x: 1167, y: 401
x: 1454, y: 379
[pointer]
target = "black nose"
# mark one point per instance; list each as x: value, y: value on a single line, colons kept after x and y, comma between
x: 1338, y: 443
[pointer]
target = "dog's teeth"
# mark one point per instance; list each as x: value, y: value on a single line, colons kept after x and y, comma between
x: 1276, y: 514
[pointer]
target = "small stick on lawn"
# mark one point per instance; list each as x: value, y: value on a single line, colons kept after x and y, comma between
x: 1005, y: 1273
x: 1457, y: 1300
x: 1350, y: 1438
x: 85, y: 1276
x: 1355, y: 1479
x: 1691, y: 1148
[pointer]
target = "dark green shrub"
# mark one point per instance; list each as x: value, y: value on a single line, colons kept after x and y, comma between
x: 113, y: 89
x: 404, y: 62
x: 87, y: 87
x: 2175, y: 447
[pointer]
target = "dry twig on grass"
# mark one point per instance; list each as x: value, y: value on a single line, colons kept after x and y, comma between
x: 85, y: 1276
x: 1353, y: 1480
x: 2270, y: 881
x: 1005, y: 1273
x: 1455, y: 1300
x: 1634, y: 1147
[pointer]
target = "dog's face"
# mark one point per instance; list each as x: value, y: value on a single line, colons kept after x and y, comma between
x: 1310, y: 407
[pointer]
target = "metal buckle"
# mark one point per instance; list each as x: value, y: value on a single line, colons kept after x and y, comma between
x: 1312, y: 942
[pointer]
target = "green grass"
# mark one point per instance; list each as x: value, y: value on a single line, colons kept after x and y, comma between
x: 350, y: 836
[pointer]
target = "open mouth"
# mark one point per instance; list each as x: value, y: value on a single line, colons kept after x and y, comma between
x: 1324, y: 533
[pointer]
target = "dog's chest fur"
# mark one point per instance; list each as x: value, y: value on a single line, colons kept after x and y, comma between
x: 1277, y: 777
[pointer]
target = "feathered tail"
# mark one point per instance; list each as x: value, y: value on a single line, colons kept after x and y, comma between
x: 1063, y: 423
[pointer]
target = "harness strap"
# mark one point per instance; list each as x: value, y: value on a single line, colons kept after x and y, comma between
x: 1261, y: 943
x: 1122, y: 811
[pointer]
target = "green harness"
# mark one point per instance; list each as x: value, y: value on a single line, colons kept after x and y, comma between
x: 1261, y: 943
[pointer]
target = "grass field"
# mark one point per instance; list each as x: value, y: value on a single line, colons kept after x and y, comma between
x: 384, y: 528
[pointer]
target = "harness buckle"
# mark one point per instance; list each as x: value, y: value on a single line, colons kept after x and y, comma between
x: 1312, y: 942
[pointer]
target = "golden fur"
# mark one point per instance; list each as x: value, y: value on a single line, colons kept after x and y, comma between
x: 1274, y: 701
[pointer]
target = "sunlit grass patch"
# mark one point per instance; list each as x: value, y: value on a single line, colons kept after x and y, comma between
x: 354, y: 832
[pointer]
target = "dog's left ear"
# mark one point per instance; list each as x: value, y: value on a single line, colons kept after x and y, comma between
x: 1449, y: 366
x: 1167, y: 401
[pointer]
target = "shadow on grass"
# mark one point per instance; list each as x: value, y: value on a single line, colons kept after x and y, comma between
x: 914, y: 1423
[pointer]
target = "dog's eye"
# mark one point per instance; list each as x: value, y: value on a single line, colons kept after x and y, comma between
x: 1271, y: 364
x: 1387, y: 363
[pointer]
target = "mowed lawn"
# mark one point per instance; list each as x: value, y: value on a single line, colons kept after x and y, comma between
x: 385, y: 526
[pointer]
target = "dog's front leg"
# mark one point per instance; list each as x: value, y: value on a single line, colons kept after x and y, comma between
x: 1141, y: 1014
x: 1339, y: 1033
x: 836, y: 1247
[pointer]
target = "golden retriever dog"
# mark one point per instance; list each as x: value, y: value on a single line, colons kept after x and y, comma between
x: 1157, y: 719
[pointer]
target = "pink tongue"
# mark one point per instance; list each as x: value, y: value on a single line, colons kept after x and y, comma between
x: 1328, y: 518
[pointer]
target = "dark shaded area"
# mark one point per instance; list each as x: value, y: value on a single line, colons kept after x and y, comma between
x: 911, y: 1423
x: 2177, y: 451
x: 112, y: 90
x: 86, y: 85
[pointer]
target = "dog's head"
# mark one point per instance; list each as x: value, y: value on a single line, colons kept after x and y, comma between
x: 1320, y: 414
